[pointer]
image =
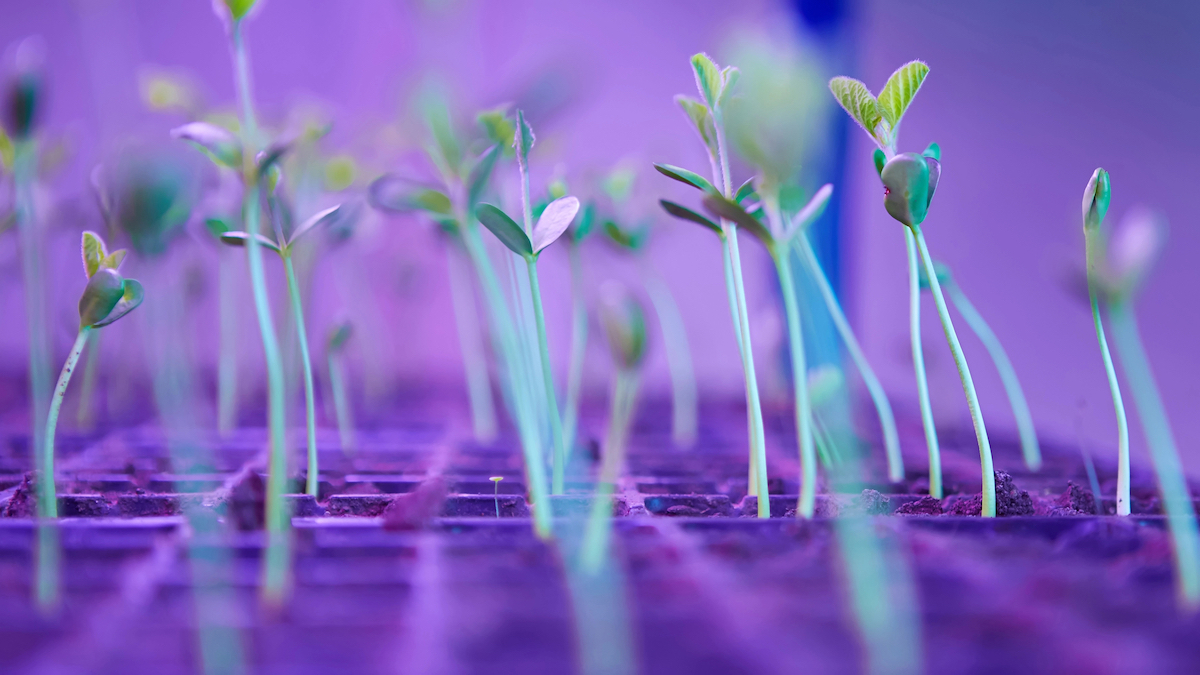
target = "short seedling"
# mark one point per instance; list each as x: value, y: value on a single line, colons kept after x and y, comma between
x: 715, y: 87
x: 334, y: 347
x: 909, y: 182
x: 496, y: 492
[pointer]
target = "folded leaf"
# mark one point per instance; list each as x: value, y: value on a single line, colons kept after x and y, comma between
x: 523, y: 140
x: 240, y: 238
x: 857, y: 100
x: 729, y: 77
x: 480, y: 173
x: 900, y: 90
x: 702, y: 120
x: 221, y: 146
x: 684, y: 176
x: 132, y: 296
x: 100, y: 296
x: 320, y: 218
x: 708, y: 79
x: 1095, y: 199
x: 553, y: 222
x: 271, y: 156
x: 723, y: 208
x: 506, y: 230
x: 93, y: 252
x: 684, y: 213
x: 745, y: 191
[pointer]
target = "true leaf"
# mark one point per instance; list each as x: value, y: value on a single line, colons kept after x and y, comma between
x: 240, y: 238
x: 505, y: 229
x: 811, y: 211
x: 684, y: 213
x: 132, y: 296
x: 729, y: 77
x: 708, y: 79
x: 553, y: 222
x: 858, y: 101
x: 220, y: 145
x: 523, y: 140
x: 113, y: 260
x: 745, y: 191
x: 701, y: 119
x: 100, y: 296
x: 480, y: 173
x: 271, y: 155
x: 320, y: 218
x: 900, y: 90
x: 93, y: 252
x: 497, y: 125
x: 684, y: 176
x: 723, y: 208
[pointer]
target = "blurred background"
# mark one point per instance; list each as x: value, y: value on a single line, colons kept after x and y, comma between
x: 1025, y: 98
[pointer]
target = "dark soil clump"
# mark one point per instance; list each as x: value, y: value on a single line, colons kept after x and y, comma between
x: 925, y: 506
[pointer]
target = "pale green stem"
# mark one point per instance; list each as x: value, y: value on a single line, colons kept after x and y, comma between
x: 85, y: 414
x: 479, y: 388
x: 806, y: 504
x: 48, y: 575
x: 731, y: 291
x: 1164, y: 455
x: 579, y: 337
x: 24, y: 173
x: 1114, y: 387
x: 964, y: 373
x: 47, y: 499
x: 310, y: 395
x: 684, y: 416
x: 883, y: 408
x: 227, y: 370
x: 525, y: 339
x: 341, y: 404
x: 1008, y: 375
x: 599, y: 526
x: 560, y: 449
x: 242, y: 66
x: 918, y: 356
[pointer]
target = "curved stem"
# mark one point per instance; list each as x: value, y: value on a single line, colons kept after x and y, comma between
x: 964, y: 373
x: 918, y: 356
x: 1114, y: 388
x: 579, y: 336
x: 1008, y: 375
x: 556, y: 430
x: 1164, y: 455
x: 679, y: 361
x: 599, y: 526
x: 310, y: 396
x: 47, y: 499
x: 883, y: 408
x: 85, y: 415
x: 479, y: 388
x: 341, y: 404
x: 804, y: 432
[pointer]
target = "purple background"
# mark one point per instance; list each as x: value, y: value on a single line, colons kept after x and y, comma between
x: 1025, y: 98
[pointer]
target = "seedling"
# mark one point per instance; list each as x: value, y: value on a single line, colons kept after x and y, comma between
x: 529, y: 242
x: 909, y: 182
x: 1030, y: 449
x: 624, y: 325
x: 496, y: 492
x: 579, y: 320
x: 706, y: 115
x: 1117, y: 267
x: 334, y: 347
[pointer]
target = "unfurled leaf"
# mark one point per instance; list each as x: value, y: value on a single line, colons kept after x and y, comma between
x: 811, y: 211
x: 506, y: 229
x: 93, y: 252
x: 684, y: 176
x: 708, y: 79
x: 240, y: 238
x: 113, y: 260
x: 320, y: 218
x: 906, y: 181
x: 624, y: 324
x: 391, y: 193
x: 102, y: 293
x: 1095, y: 199
x: 221, y: 146
x: 702, y: 120
x: 857, y: 100
x: 723, y: 208
x: 217, y: 226
x: 553, y: 222
x: 480, y: 174
x: 131, y: 296
x: 729, y: 77
x: 900, y: 90
x: 684, y: 213
x: 522, y: 140
x: 744, y: 192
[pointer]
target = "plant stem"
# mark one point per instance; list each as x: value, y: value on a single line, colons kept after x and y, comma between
x: 579, y: 336
x: 560, y: 449
x: 964, y: 373
x: 679, y: 360
x: 804, y: 433
x: 48, y: 576
x: 85, y: 415
x: 918, y: 356
x: 479, y: 388
x: 341, y: 404
x: 1164, y: 455
x: 1114, y: 388
x: 883, y: 408
x: 731, y: 292
x: 47, y: 499
x: 599, y: 526
x: 242, y: 66
x: 310, y: 397
x: 1008, y: 375
x: 227, y: 373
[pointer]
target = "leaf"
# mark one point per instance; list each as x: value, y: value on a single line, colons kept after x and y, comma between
x: 113, y: 260
x: 217, y: 226
x: 701, y: 119
x: 1096, y: 198
x: 240, y: 238
x: 93, y: 252
x: 130, y: 299
x: 320, y: 218
x: 684, y: 176
x: 708, y: 79
x: 880, y: 158
x: 586, y: 220
x: 553, y: 222
x: 684, y: 213
x: 497, y: 125
x: 935, y: 175
x: 221, y: 146
x: 630, y: 239
x: 239, y: 8
x: 811, y: 211
x: 729, y: 77
x: 723, y: 208
x: 100, y: 296
x: 857, y: 100
x: 900, y: 90
x: 480, y: 173
x: 339, y: 336
x: 392, y: 193
x: 745, y: 191
x: 505, y: 229
x: 523, y: 140
x: 271, y: 156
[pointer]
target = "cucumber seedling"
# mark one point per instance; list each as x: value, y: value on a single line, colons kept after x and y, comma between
x: 909, y: 182
x: 707, y: 117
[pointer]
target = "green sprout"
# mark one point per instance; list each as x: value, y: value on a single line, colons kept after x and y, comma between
x: 576, y: 233
x: 1117, y: 265
x: 715, y: 86
x: 496, y: 492
x: 624, y: 325
x: 334, y: 347
x: 909, y: 182
x: 1030, y: 449
x: 529, y: 242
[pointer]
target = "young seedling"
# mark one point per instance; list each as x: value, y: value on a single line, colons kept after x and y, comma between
x: 706, y: 116
x: 334, y: 347
x: 496, y: 492
x: 284, y: 244
x: 1117, y: 266
x: 579, y: 321
x: 1030, y: 449
x: 909, y: 182
x: 624, y: 326
x: 529, y: 242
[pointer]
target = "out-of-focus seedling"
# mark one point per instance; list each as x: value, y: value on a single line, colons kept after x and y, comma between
x: 496, y: 492
x: 1117, y: 264
x: 715, y: 87
x: 909, y: 182
x: 624, y: 326
x: 579, y: 319
x: 529, y: 242
x: 334, y: 348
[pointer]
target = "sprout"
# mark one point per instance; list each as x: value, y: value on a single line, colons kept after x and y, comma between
x: 496, y: 492
x: 334, y: 346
